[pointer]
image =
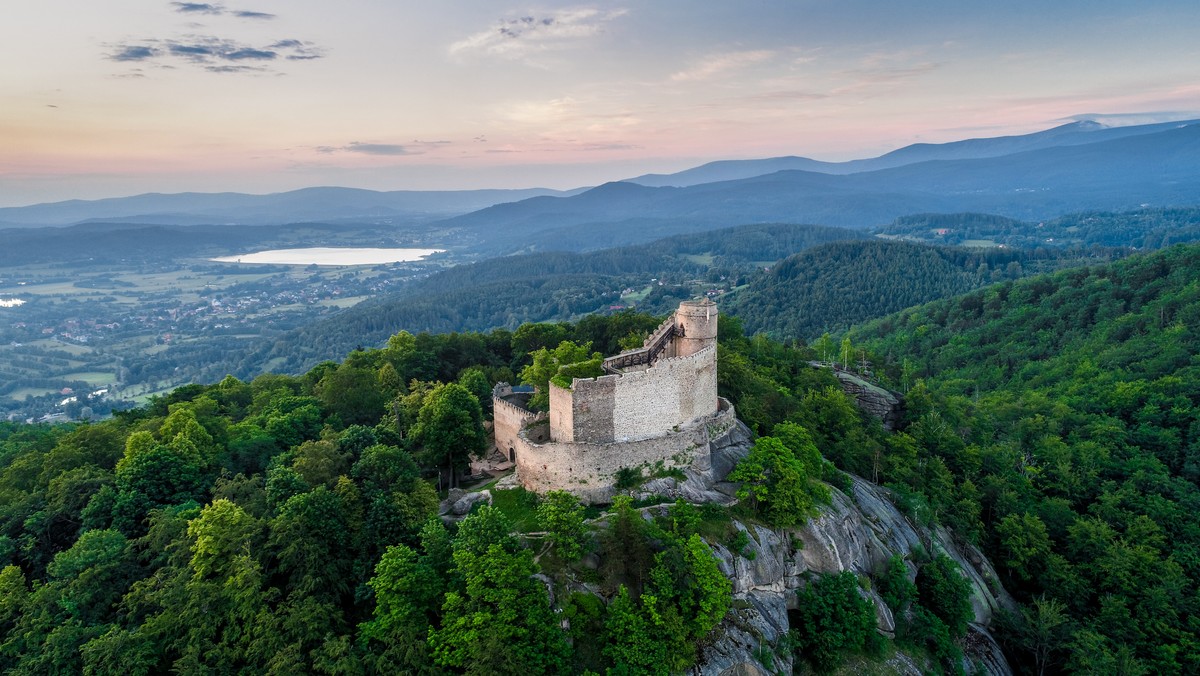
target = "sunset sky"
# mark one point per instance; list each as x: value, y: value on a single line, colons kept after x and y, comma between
x: 119, y: 97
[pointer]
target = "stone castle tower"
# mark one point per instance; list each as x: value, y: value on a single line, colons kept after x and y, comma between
x: 695, y: 327
x: 656, y: 407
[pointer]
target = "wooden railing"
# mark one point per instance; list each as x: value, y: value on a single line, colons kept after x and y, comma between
x: 644, y: 356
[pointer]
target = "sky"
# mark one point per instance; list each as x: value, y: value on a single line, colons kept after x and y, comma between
x: 104, y: 98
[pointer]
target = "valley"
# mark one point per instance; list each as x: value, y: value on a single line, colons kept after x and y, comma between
x: 115, y: 324
x: 136, y: 308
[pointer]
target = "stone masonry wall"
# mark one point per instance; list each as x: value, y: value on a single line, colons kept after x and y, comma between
x: 671, y: 393
x: 509, y: 420
x: 589, y: 469
x: 697, y: 322
x: 562, y: 414
x: 636, y: 404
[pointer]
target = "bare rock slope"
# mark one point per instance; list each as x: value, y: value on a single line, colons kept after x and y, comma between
x: 858, y: 531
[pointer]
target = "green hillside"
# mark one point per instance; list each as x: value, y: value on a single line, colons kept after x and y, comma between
x: 1067, y: 411
x: 1139, y: 229
x: 832, y: 287
x: 548, y: 286
x: 285, y: 524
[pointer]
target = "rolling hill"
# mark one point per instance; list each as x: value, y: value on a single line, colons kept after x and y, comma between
x: 551, y: 286
x: 307, y: 204
x: 834, y: 286
x: 1155, y: 169
x: 1075, y: 133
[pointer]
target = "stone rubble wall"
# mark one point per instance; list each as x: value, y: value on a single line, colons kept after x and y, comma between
x: 589, y: 469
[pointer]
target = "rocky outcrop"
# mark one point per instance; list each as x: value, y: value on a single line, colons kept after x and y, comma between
x: 859, y: 532
x: 704, y: 478
x: 876, y: 401
x: 982, y: 649
x: 757, y: 622
x: 458, y: 503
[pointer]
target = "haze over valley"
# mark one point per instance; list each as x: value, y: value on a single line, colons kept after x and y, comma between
x: 145, y: 296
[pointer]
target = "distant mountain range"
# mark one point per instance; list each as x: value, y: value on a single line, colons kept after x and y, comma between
x: 1160, y: 168
x: 1074, y: 133
x: 296, y: 206
x: 1073, y: 167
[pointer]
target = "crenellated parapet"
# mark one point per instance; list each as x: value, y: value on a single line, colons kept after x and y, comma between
x: 664, y: 330
x: 511, y: 409
x: 510, y: 417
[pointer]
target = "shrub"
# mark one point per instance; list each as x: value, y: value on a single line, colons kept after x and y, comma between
x: 833, y: 619
x: 945, y: 592
x: 894, y: 586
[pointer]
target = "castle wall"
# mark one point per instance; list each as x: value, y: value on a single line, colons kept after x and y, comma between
x: 636, y: 404
x: 562, y: 414
x: 669, y: 394
x: 589, y: 469
x: 660, y: 410
x: 509, y: 420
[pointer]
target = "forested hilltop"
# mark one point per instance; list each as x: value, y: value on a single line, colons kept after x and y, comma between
x: 287, y: 524
x: 837, y: 285
x: 1064, y: 412
x: 1144, y: 228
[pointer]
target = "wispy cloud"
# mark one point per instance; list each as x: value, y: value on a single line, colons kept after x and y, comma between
x: 134, y: 53
x: 217, y: 10
x: 521, y: 37
x: 377, y: 148
x: 196, y: 8
x: 298, y: 50
x: 719, y: 64
x: 214, y: 54
x: 382, y: 149
x: 882, y: 69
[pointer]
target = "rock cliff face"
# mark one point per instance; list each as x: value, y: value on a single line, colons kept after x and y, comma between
x: 875, y: 400
x: 704, y: 478
x: 857, y: 532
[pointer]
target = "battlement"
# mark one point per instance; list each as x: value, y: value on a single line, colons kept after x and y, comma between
x: 668, y: 326
x: 510, y: 419
x: 510, y: 408
x: 659, y: 342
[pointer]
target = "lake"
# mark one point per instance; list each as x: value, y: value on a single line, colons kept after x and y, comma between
x: 324, y: 255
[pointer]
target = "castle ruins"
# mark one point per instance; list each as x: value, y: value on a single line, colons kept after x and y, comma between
x: 656, y: 409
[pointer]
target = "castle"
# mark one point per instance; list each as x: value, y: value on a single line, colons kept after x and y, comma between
x: 655, y: 409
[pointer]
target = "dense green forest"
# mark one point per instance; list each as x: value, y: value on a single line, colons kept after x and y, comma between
x: 1065, y: 412
x: 1140, y: 229
x: 837, y: 285
x: 288, y: 525
x: 509, y: 291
